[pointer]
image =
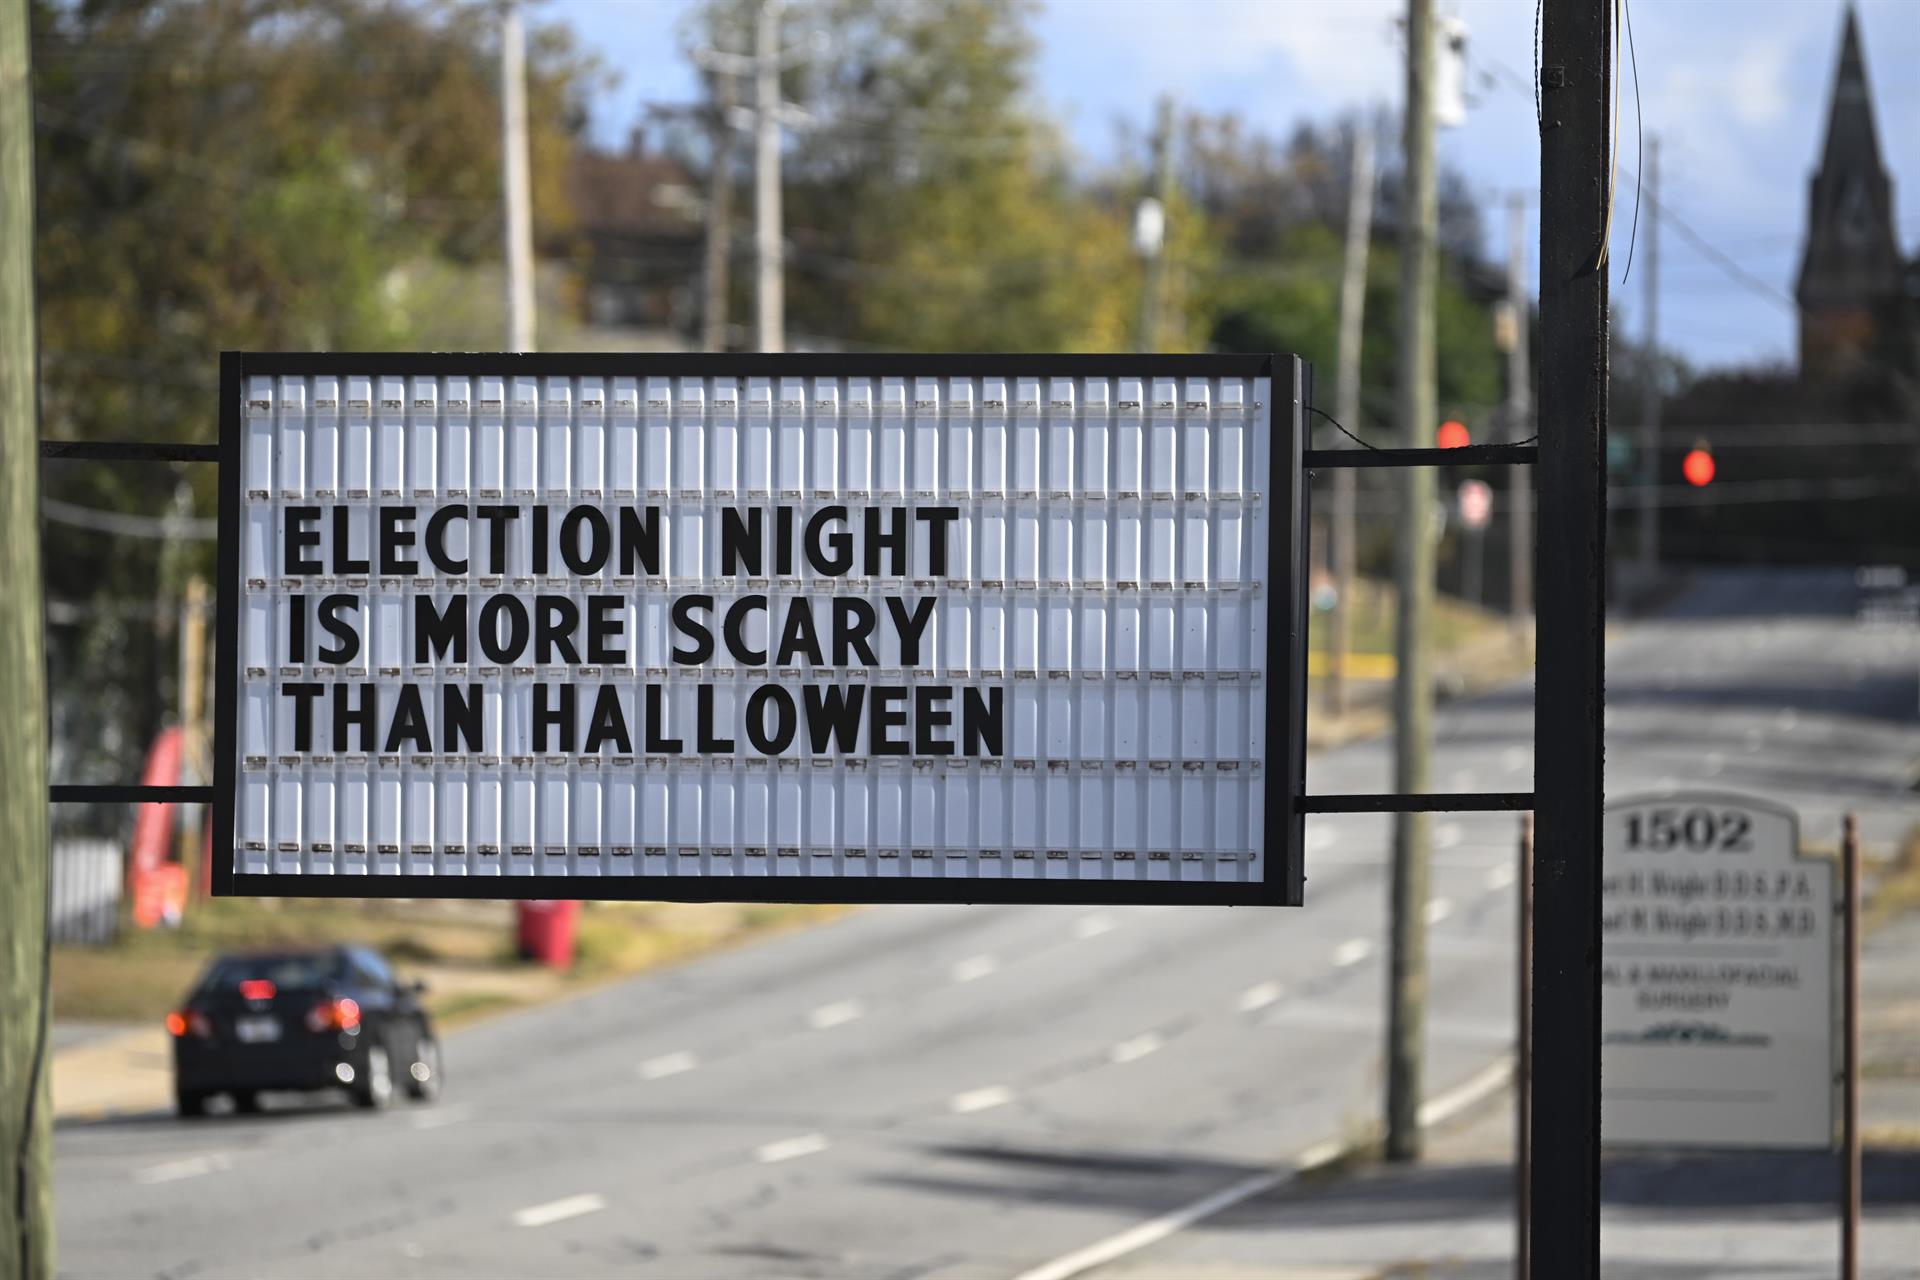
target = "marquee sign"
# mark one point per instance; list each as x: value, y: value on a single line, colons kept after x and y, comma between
x: 842, y: 628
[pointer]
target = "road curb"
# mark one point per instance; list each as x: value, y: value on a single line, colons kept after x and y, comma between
x: 1434, y: 1111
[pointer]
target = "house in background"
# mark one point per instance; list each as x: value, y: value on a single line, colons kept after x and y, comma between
x: 635, y: 250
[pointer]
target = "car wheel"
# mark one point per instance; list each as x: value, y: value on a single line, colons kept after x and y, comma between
x: 189, y: 1103
x: 374, y: 1090
x: 246, y: 1101
x: 423, y: 1076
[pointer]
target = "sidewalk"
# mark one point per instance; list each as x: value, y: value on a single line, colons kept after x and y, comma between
x: 101, y: 1071
x: 1666, y: 1216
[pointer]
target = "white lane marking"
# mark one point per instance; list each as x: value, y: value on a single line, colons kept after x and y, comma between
x: 835, y: 1014
x: 541, y: 1215
x: 442, y: 1118
x: 1439, y: 909
x: 994, y: 1095
x: 668, y: 1064
x: 1318, y: 1154
x: 973, y: 967
x: 1448, y: 835
x: 1351, y: 952
x: 191, y: 1167
x: 1135, y: 1049
x: 1157, y: 1229
x: 1501, y: 876
x: 1457, y: 1099
x: 1151, y: 1232
x: 791, y: 1148
x: 1259, y: 996
x: 1092, y: 927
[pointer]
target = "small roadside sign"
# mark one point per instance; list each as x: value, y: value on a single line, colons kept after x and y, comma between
x: 1717, y: 996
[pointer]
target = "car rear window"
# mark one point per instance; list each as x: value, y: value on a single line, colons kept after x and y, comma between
x: 287, y: 973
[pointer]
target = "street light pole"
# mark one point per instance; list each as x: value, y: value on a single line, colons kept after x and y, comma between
x: 1353, y: 307
x: 770, y: 319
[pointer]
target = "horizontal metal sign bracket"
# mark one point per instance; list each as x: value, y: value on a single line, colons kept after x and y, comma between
x: 1471, y: 455
x: 1442, y: 802
x: 129, y: 451
x: 74, y: 793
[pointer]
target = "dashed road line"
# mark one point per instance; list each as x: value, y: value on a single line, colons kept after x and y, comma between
x: 973, y: 967
x: 668, y: 1064
x: 442, y: 1118
x: 1135, y: 1049
x: 541, y: 1215
x: 191, y: 1167
x: 1352, y: 952
x: 1154, y: 1230
x: 836, y: 1014
x: 790, y: 1148
x: 993, y: 1095
x: 1259, y: 996
x: 1092, y: 927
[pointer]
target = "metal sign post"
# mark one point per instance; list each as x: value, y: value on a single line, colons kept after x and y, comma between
x: 1850, y: 1049
x: 1570, y: 676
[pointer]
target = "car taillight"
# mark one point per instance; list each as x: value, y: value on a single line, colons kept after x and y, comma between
x: 189, y: 1022
x: 334, y: 1015
x: 257, y: 989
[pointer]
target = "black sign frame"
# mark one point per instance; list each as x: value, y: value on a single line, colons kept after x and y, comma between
x: 1283, y: 882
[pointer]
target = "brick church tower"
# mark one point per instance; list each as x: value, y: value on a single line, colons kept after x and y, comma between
x: 1851, y: 272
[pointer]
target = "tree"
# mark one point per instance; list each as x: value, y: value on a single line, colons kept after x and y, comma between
x: 931, y: 208
x: 261, y: 174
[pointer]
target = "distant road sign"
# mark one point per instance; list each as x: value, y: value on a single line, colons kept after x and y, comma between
x: 1717, y: 1004
x: 1476, y: 503
x: 995, y: 628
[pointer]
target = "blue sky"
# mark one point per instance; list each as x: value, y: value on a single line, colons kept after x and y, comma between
x: 1736, y: 89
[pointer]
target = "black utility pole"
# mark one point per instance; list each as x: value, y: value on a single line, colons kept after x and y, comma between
x: 1570, y: 671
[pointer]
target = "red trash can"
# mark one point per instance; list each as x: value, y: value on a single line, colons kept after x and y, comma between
x: 546, y: 929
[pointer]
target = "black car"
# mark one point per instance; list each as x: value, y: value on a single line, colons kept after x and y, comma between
x: 319, y: 1018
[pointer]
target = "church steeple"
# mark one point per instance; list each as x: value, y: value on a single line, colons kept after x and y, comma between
x: 1851, y: 264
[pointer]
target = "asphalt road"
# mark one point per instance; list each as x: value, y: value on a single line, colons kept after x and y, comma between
x: 946, y: 1092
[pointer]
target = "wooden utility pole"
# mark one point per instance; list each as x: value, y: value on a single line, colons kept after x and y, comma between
x: 1519, y: 420
x: 514, y: 178
x: 716, y: 277
x: 26, y: 1184
x: 1576, y: 101
x: 1650, y: 376
x: 1353, y: 308
x: 1413, y: 572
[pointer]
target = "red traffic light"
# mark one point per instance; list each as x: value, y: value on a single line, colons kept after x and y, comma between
x: 1453, y: 435
x: 1697, y: 467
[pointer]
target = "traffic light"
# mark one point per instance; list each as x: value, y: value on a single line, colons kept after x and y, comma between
x: 1697, y: 466
x: 1453, y: 435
